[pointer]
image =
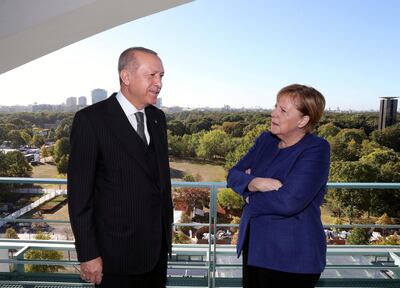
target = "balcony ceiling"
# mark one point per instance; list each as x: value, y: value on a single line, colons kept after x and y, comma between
x: 31, y: 29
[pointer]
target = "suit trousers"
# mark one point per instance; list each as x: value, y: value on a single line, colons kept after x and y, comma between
x: 156, y: 278
x: 257, y: 277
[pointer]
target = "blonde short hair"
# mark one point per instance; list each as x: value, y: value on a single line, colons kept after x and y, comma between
x: 308, y: 101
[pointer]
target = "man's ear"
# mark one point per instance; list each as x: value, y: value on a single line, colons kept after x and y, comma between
x: 304, y: 121
x: 124, y: 75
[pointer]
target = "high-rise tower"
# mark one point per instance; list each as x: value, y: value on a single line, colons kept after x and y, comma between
x: 387, y: 112
x: 98, y: 95
x: 82, y: 101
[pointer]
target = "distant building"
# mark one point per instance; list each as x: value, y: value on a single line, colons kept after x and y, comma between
x: 71, y: 104
x: 387, y: 112
x: 71, y: 101
x: 42, y: 108
x: 59, y: 108
x: 15, y: 109
x: 98, y: 95
x: 82, y: 101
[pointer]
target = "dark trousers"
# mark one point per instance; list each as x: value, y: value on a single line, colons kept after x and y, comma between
x: 257, y: 277
x: 155, y: 278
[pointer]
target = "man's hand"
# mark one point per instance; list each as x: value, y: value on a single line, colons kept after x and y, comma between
x: 92, y: 271
x: 264, y: 184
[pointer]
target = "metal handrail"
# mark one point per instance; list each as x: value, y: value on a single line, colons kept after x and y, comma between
x: 212, y: 249
x: 355, y: 185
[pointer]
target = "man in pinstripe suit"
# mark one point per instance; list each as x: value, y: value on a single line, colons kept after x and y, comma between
x: 119, y: 185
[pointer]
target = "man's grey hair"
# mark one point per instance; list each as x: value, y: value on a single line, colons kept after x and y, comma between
x: 128, y: 57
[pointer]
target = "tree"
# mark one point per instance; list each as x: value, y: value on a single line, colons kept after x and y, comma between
x: 189, y: 178
x: 200, y: 124
x: 214, y: 144
x: 43, y: 255
x: 328, y: 130
x: 337, y: 221
x: 235, y: 230
x: 346, y: 145
x: 191, y: 143
x: 27, y: 138
x: 346, y: 135
x: 177, y: 127
x: 353, y: 150
x: 390, y: 172
x: 11, y: 234
x: 50, y: 150
x: 235, y: 220
x: 37, y: 140
x: 229, y: 200
x: 19, y: 123
x: 235, y: 129
x: 185, y: 218
x: 352, y: 201
x: 7, y: 127
x: 44, y: 152
x: 389, y: 137
x: 17, y: 165
x: 381, y: 156
x: 64, y: 128
x: 243, y: 146
x: 3, y: 165
x: 234, y: 239
x: 175, y: 146
x: 62, y: 164
x: 51, y: 136
x: 16, y: 139
x: 3, y: 134
x: 61, y: 148
x: 367, y: 147
x: 180, y: 238
x: 232, y: 118
x: 387, y: 162
x: 192, y: 197
x: 358, y: 236
x: 384, y: 220
x: 390, y: 240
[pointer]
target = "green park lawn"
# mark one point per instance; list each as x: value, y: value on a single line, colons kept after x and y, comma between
x: 47, y: 171
x: 201, y: 171
x: 44, y: 171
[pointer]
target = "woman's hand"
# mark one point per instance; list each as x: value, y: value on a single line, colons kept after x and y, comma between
x: 264, y: 184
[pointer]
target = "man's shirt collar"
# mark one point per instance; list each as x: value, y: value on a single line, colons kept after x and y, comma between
x: 127, y: 106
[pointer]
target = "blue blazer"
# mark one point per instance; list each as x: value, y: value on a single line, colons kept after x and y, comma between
x: 284, y: 227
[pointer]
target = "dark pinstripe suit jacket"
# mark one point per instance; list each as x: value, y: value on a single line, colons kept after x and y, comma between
x: 118, y: 208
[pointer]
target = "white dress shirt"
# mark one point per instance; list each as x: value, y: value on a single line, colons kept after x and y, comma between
x: 130, y: 111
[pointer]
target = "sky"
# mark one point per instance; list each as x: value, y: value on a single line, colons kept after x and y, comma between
x: 234, y: 52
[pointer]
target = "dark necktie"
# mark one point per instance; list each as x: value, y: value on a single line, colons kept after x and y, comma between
x: 140, y: 126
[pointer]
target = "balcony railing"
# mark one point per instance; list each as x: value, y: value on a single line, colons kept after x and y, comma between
x: 212, y: 264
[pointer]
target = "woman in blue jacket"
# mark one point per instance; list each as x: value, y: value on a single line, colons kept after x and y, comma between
x: 283, y: 180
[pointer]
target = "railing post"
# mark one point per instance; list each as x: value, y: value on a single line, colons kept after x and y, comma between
x: 213, y: 211
x: 396, y: 259
x: 210, y: 221
x: 20, y: 267
x: 20, y: 256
